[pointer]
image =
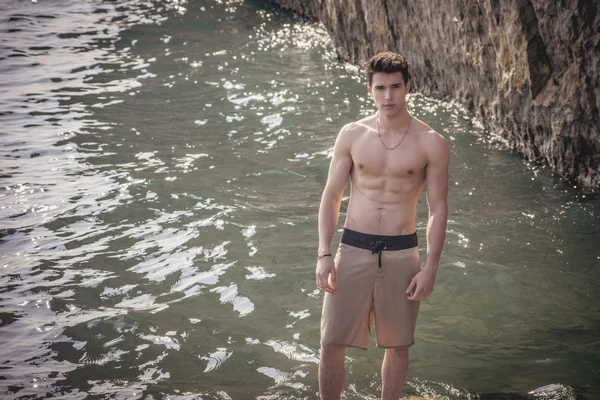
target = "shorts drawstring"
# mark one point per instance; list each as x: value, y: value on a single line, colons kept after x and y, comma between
x: 378, y: 247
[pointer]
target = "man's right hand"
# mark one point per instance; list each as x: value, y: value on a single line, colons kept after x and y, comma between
x: 326, y: 274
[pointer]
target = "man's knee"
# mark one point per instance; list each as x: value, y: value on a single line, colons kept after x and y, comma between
x: 397, y: 353
x: 332, y: 353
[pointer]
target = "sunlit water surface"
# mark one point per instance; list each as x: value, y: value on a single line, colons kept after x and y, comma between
x: 161, y: 169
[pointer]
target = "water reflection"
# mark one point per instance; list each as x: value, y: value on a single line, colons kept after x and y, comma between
x: 214, y: 360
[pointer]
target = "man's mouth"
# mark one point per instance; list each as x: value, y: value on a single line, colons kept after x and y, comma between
x: 389, y: 105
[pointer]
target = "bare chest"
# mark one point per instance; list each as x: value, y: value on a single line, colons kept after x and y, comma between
x: 371, y: 157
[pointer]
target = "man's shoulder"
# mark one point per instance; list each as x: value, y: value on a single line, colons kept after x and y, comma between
x: 429, y: 136
x: 352, y: 130
x: 434, y: 145
x: 359, y: 126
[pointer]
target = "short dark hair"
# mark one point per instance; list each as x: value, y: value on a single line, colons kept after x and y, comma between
x: 387, y: 62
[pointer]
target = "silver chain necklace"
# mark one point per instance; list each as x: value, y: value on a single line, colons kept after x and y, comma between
x: 405, y: 132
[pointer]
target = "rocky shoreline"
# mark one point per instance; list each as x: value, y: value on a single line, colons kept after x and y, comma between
x: 528, y: 69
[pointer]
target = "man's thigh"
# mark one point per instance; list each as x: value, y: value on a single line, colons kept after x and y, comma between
x: 345, y: 320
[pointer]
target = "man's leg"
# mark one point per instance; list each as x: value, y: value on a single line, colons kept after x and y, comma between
x: 331, y: 372
x: 393, y: 373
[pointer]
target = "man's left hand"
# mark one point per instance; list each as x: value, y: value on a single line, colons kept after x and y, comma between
x: 421, y: 285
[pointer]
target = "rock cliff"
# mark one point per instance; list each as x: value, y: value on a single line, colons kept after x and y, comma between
x: 528, y: 69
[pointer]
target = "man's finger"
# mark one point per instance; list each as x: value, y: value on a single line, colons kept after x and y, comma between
x: 319, y: 281
x: 411, y: 286
x: 333, y: 278
x: 323, y: 282
x: 416, y: 296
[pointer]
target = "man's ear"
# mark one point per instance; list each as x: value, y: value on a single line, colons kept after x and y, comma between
x: 408, y: 86
x: 369, y: 89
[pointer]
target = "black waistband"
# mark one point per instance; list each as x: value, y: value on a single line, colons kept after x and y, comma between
x: 377, y: 243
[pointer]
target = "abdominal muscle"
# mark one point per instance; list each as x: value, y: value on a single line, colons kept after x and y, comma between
x: 380, y: 212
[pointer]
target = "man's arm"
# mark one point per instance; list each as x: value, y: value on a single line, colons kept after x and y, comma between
x: 329, y: 210
x: 436, y: 175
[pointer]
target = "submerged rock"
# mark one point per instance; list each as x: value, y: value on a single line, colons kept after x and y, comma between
x: 528, y: 69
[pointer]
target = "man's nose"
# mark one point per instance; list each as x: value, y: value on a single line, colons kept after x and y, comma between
x: 388, y: 94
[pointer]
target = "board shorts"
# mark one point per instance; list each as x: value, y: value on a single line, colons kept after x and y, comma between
x: 373, y: 273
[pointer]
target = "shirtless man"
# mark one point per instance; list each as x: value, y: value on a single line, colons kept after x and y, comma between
x: 375, y: 276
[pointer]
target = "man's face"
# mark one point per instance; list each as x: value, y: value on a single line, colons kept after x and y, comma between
x: 389, y: 92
